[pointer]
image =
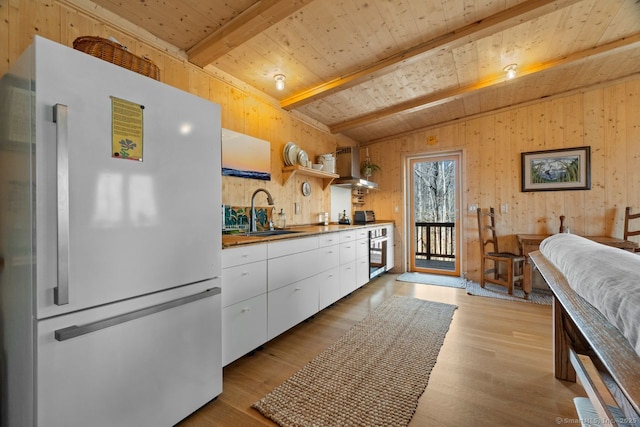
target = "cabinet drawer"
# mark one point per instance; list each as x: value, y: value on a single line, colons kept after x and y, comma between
x: 347, y: 236
x: 362, y: 248
x: 347, y: 278
x: 328, y: 287
x: 288, y: 247
x: 347, y: 252
x: 291, y: 304
x: 243, y: 282
x: 328, y: 257
x: 244, y: 328
x: 292, y: 268
x: 243, y: 255
x: 328, y: 239
x: 362, y: 233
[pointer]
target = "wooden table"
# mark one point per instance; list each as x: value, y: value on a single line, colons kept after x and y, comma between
x: 531, y: 242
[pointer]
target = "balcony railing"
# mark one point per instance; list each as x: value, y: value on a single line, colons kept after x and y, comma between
x: 435, y: 241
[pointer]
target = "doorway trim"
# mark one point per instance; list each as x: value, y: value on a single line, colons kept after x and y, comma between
x: 408, y: 160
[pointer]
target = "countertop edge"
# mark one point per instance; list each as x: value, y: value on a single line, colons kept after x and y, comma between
x: 234, y: 240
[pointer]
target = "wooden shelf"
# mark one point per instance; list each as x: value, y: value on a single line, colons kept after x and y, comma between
x: 289, y: 171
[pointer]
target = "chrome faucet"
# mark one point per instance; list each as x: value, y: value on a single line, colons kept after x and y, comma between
x: 253, y: 227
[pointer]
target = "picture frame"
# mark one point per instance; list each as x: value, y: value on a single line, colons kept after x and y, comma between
x: 557, y: 170
x: 244, y: 156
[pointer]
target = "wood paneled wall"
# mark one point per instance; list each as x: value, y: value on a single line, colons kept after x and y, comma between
x: 242, y: 109
x: 605, y: 118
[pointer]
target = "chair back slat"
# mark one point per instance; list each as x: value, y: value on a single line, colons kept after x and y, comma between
x: 487, y: 229
x: 631, y: 227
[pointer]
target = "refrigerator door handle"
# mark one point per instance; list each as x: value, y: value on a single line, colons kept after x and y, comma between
x: 61, y: 292
x: 76, y: 331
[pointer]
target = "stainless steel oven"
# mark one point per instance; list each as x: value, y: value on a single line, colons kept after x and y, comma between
x: 378, y: 241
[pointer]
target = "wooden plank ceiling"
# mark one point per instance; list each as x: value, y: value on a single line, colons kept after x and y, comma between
x: 375, y: 69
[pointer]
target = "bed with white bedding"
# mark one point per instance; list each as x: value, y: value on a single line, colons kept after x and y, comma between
x: 596, y: 314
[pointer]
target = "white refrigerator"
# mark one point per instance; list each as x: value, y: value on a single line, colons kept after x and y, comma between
x: 110, y: 246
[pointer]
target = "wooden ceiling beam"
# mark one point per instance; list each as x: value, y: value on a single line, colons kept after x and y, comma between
x: 255, y: 19
x: 458, y: 92
x: 501, y: 21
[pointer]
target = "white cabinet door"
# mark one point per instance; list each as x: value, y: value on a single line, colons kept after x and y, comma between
x: 328, y: 287
x: 347, y: 252
x: 125, y: 374
x: 291, y: 304
x: 244, y: 328
x: 362, y: 248
x: 348, y: 282
x: 328, y: 257
x: 362, y: 271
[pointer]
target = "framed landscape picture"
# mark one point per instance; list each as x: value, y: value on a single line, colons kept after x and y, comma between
x: 552, y: 170
x: 245, y: 156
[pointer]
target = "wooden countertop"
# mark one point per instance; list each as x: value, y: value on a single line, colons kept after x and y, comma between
x: 231, y: 240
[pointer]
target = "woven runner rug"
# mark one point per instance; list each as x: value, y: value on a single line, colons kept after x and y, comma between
x: 372, y: 376
x: 537, y: 296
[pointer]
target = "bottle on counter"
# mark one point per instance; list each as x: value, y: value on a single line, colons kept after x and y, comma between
x: 343, y: 218
x: 281, y: 220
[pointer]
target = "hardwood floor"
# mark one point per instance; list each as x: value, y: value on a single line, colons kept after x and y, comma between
x: 494, y: 369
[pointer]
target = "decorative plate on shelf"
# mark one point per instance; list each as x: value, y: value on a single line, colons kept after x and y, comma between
x: 285, y: 153
x: 303, y: 158
x: 293, y: 154
x: 306, y: 188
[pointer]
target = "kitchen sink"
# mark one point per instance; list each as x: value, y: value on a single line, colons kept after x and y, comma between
x: 272, y: 232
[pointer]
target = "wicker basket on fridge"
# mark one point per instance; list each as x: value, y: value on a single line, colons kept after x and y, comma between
x: 116, y: 54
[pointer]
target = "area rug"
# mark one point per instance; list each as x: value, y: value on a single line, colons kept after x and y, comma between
x: 371, y: 376
x: 537, y: 296
x: 432, y: 279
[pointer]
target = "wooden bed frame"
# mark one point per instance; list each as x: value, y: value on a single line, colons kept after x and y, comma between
x: 580, y: 329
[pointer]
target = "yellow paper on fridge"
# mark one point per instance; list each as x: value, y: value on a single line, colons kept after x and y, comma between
x: 127, y: 129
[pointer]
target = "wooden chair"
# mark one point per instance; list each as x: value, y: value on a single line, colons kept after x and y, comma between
x: 629, y: 230
x: 506, y: 268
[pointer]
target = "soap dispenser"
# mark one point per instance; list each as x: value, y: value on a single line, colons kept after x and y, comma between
x: 281, y: 219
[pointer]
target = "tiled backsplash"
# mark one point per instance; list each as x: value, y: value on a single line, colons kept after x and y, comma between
x: 238, y: 217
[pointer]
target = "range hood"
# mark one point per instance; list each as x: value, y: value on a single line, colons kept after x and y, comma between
x: 348, y: 167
